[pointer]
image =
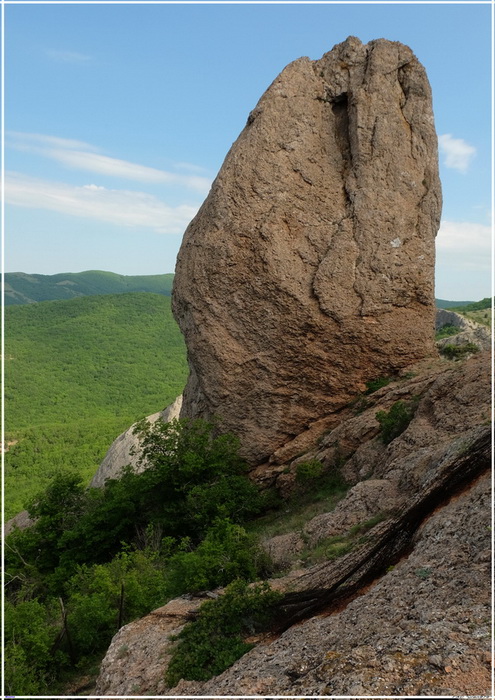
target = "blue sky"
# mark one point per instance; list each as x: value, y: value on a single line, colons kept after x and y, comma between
x: 117, y: 118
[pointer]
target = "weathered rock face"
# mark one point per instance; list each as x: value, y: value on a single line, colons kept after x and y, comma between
x: 309, y: 268
x: 134, y: 647
x: 125, y: 449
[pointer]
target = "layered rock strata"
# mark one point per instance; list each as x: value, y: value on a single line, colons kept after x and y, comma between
x: 309, y: 268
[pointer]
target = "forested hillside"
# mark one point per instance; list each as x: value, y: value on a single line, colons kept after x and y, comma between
x: 445, y: 304
x: 479, y: 311
x: 21, y: 288
x: 77, y: 374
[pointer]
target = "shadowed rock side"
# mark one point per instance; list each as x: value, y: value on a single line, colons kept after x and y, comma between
x: 309, y: 268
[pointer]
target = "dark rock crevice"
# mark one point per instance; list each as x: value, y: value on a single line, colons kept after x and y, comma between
x: 332, y: 584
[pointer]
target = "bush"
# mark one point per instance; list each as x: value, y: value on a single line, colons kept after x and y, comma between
x: 456, y: 352
x: 213, y: 642
x: 21, y: 676
x: 185, y: 510
x: 376, y: 384
x: 29, y: 636
x: 446, y: 331
x: 396, y: 420
x: 193, y: 477
x: 93, y: 599
x: 309, y: 471
x: 227, y: 553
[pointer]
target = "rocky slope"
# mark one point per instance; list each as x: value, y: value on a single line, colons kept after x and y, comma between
x: 469, y: 332
x: 407, y: 611
x: 309, y: 268
x: 423, y: 628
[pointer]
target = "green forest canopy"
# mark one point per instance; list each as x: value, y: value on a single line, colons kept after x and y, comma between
x: 78, y: 373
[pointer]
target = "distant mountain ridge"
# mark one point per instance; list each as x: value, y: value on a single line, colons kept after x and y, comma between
x: 445, y: 304
x: 23, y: 288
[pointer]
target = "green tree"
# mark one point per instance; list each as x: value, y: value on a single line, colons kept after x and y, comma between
x: 227, y: 552
x: 396, y: 420
x: 212, y: 643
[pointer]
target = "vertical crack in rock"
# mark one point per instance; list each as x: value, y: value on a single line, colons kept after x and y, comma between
x: 309, y: 268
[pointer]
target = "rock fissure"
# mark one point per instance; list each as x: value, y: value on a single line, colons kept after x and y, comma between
x: 390, y: 540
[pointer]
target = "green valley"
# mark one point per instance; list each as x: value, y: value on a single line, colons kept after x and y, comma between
x: 78, y: 373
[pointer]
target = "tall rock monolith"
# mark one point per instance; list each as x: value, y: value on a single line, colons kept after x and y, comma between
x: 309, y: 268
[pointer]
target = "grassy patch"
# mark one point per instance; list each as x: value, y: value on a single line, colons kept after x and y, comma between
x: 478, y: 311
x: 334, y: 547
x: 482, y: 316
x: 297, y: 510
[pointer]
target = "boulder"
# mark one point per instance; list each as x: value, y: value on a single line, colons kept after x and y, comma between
x: 283, y: 549
x: 125, y: 449
x: 309, y: 268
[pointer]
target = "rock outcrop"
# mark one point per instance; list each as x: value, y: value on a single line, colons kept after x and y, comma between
x: 309, y: 268
x: 422, y: 629
x: 413, y: 615
x: 144, y: 646
x: 470, y: 332
x: 125, y: 449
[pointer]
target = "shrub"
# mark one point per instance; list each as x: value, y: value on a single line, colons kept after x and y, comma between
x: 446, y: 331
x: 376, y: 384
x: 29, y: 636
x: 395, y: 421
x: 184, y: 511
x: 213, y: 642
x: 194, y: 476
x: 227, y: 553
x: 94, y: 597
x: 456, y: 352
x: 21, y: 677
x: 309, y: 471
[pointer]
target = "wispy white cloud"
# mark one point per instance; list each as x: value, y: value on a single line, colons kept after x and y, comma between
x: 127, y: 208
x: 67, y: 56
x: 469, y: 242
x: 81, y: 156
x: 457, y: 152
x: 21, y: 140
x: 104, y: 165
